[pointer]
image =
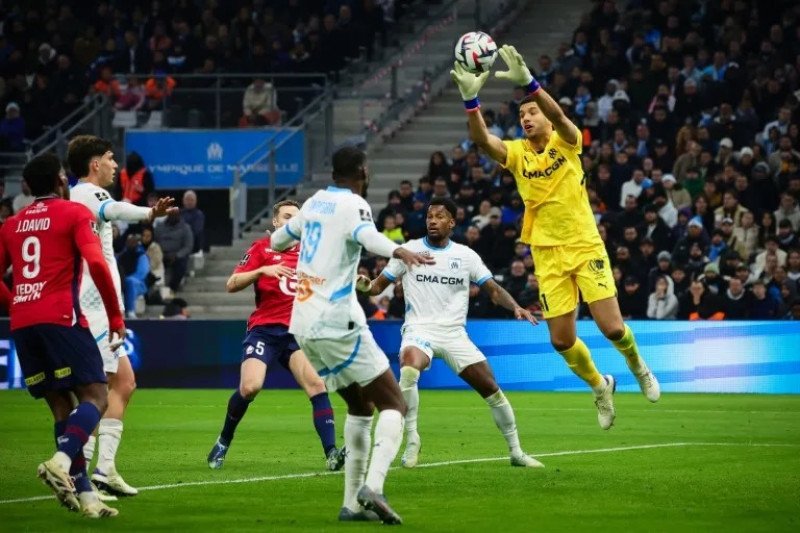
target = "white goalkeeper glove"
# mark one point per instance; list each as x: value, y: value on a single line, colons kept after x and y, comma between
x: 518, y: 71
x: 469, y: 84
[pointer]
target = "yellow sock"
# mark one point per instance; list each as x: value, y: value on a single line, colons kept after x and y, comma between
x: 579, y: 360
x: 627, y: 347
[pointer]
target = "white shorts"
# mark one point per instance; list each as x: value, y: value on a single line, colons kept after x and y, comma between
x: 450, y: 344
x: 98, y: 325
x: 352, y: 358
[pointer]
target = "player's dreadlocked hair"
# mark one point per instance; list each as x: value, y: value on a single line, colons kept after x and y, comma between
x: 82, y: 149
x: 283, y: 203
x: 42, y: 174
x: 448, y: 204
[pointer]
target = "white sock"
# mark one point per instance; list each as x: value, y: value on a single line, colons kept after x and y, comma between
x: 388, y: 437
x: 357, y: 438
x: 87, y: 498
x: 109, y: 433
x: 409, y: 376
x: 503, y: 416
x: 62, y: 460
x: 88, y: 450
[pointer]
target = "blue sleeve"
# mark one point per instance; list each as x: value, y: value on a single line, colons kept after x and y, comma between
x: 142, y: 267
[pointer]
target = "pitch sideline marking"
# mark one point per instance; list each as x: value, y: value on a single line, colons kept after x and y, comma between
x: 431, y: 465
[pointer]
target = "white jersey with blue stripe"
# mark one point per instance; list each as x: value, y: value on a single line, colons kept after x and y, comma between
x: 438, y: 294
x: 327, y: 227
x: 97, y: 200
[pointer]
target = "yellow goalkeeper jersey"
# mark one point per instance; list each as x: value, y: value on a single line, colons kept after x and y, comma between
x: 557, y: 210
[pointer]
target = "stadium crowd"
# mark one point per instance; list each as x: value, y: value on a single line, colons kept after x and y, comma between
x: 689, y: 115
x: 54, y: 54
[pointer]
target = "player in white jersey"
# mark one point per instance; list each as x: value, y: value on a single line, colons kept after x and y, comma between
x: 437, y: 299
x: 91, y: 159
x: 331, y: 328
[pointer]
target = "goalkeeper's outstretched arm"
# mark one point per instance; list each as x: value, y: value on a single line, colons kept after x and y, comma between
x: 479, y: 134
x: 469, y: 85
x: 565, y: 128
x: 519, y: 73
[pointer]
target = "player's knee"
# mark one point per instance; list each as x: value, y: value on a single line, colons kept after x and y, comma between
x: 314, y: 387
x: 561, y: 344
x: 615, y: 332
x: 249, y: 390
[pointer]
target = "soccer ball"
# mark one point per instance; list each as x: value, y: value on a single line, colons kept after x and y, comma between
x: 476, y: 51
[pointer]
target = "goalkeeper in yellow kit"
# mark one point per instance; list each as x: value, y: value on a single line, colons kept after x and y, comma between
x: 559, y: 226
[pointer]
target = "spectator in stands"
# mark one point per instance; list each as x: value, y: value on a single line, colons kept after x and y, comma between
x: 633, y: 299
x: 196, y: 220
x: 24, y: 198
x: 155, y: 256
x: 662, y: 303
x: 700, y: 304
x: 134, y: 57
x: 397, y: 305
x: 158, y: 88
x: 259, y: 105
x: 175, y: 309
x: 788, y: 210
x: 516, y: 280
x: 175, y: 238
x: 12, y: 130
x: 134, y: 267
x: 736, y: 301
x: 793, y: 265
x: 107, y: 85
x: 786, y: 236
x: 437, y: 166
x: 133, y: 97
x: 763, y: 305
x: 135, y: 180
x: 406, y: 194
x: 392, y: 230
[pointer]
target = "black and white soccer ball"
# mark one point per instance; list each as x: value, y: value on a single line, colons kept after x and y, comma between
x: 476, y: 51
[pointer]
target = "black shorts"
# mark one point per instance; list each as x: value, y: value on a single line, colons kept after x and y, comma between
x: 269, y: 343
x: 55, y: 357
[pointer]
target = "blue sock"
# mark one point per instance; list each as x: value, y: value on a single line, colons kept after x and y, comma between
x: 78, y: 473
x: 58, y: 429
x: 237, y: 407
x: 323, y: 421
x: 80, y: 424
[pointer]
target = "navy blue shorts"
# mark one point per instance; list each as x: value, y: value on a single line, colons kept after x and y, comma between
x: 269, y: 343
x: 54, y: 357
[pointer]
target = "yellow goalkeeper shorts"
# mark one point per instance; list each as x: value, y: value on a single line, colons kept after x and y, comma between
x: 562, y: 271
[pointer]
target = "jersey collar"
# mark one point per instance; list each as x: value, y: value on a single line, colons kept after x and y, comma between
x: 432, y: 247
x: 333, y: 188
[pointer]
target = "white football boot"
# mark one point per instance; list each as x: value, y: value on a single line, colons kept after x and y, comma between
x: 525, y: 460
x: 605, y: 403
x: 647, y: 382
x: 411, y: 454
x: 92, y: 507
x: 112, y: 483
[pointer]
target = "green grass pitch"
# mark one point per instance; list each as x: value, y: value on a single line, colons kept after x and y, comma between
x: 689, y: 463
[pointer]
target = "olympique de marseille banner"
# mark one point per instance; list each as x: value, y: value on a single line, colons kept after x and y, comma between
x: 180, y: 159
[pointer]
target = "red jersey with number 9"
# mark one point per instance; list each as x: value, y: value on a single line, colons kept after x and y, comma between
x: 274, y: 297
x: 42, y: 243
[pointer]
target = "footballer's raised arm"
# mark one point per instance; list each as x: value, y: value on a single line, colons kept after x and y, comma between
x: 519, y: 73
x: 565, y: 128
x: 479, y: 134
